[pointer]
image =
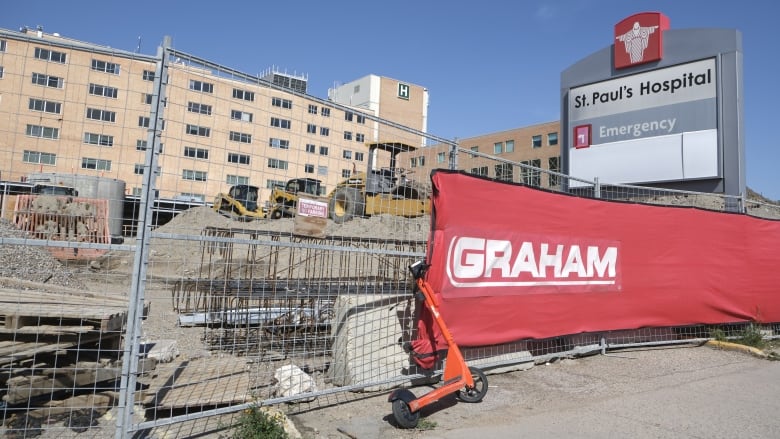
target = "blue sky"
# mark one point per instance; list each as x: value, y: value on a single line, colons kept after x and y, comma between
x: 488, y: 65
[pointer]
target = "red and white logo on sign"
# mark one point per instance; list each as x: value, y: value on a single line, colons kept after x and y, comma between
x: 582, y: 136
x: 639, y: 39
x: 533, y: 261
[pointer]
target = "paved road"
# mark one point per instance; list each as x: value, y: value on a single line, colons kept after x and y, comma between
x: 683, y: 392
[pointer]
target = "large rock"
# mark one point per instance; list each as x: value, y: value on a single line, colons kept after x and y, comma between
x: 291, y: 381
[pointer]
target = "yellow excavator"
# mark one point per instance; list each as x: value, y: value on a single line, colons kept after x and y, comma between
x: 383, y: 190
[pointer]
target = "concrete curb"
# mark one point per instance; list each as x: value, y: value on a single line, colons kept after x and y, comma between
x: 737, y: 347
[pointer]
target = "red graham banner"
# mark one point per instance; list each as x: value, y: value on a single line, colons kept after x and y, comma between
x: 510, y: 262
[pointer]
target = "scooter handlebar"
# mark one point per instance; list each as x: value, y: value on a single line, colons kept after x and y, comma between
x: 418, y: 269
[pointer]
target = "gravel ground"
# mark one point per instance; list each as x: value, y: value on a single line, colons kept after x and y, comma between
x: 32, y: 263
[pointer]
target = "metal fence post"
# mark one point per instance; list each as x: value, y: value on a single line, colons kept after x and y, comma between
x: 596, y: 188
x: 143, y: 238
x: 743, y: 202
x: 453, y: 159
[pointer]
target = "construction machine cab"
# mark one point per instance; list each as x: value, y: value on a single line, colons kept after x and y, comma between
x: 283, y: 201
x: 246, y: 195
x: 309, y: 186
x: 240, y: 203
x: 384, y: 179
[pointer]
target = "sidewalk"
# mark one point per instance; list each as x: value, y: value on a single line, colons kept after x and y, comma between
x: 680, y: 392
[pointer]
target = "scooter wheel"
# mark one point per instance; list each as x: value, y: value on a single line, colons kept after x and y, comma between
x: 403, y: 415
x: 476, y: 393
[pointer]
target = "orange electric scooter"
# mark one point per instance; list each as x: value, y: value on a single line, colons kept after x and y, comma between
x: 469, y: 383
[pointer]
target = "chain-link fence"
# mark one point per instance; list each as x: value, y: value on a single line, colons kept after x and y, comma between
x: 251, y: 295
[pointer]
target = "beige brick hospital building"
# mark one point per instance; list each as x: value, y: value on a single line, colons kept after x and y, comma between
x: 73, y: 107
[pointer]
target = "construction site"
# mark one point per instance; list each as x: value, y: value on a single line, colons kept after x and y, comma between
x: 229, y: 301
x: 224, y: 311
x: 211, y: 306
x: 246, y: 244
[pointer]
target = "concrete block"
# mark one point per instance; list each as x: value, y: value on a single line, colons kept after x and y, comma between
x: 366, y: 333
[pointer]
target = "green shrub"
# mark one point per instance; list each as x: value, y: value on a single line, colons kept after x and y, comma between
x: 718, y: 334
x: 751, y: 336
x: 255, y: 423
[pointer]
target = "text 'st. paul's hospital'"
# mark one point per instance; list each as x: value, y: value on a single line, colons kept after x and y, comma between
x: 665, y: 87
x: 671, y: 86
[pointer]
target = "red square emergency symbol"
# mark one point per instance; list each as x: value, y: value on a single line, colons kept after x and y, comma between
x: 582, y: 136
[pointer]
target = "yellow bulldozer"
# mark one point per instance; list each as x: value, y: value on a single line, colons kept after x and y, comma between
x: 284, y: 200
x: 383, y: 190
x: 241, y: 201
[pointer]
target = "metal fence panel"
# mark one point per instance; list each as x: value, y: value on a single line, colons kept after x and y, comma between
x: 63, y: 262
x: 273, y: 309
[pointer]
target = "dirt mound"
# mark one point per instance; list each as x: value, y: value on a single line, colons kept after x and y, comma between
x: 193, y: 221
x: 182, y: 255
